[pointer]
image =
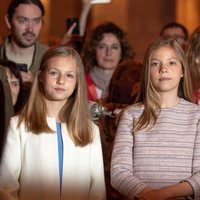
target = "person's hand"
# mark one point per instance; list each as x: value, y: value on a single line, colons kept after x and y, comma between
x: 152, y: 194
x: 86, y: 5
x: 27, y: 77
x: 86, y: 2
x: 68, y: 34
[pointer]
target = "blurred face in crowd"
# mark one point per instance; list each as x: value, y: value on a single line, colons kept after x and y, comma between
x: 14, y: 85
x: 108, y: 52
x: 25, y: 24
x: 175, y: 33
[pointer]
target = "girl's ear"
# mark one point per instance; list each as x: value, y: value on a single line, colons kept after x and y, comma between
x: 182, y: 73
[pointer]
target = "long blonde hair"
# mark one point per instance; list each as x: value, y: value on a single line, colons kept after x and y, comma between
x: 148, y: 96
x: 75, y: 112
x: 193, y: 53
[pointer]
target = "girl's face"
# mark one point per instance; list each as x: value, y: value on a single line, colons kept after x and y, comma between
x: 14, y: 85
x: 108, y: 52
x: 59, y: 78
x: 165, y: 70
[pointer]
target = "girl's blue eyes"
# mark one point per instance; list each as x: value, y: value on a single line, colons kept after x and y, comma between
x: 56, y: 74
x: 158, y: 64
x: 53, y: 73
x: 172, y: 63
x: 70, y: 76
x: 155, y: 64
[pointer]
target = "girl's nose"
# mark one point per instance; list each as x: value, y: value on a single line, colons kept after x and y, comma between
x: 163, y: 69
x: 61, y: 80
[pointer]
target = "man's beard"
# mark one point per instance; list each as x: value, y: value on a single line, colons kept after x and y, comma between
x: 22, y: 43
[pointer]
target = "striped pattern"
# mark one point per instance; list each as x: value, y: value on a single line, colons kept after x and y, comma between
x: 165, y: 155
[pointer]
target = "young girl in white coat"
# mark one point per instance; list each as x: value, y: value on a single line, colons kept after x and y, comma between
x: 156, y: 154
x: 53, y: 150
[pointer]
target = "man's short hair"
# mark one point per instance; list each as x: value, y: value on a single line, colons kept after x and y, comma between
x: 175, y: 25
x: 15, y: 3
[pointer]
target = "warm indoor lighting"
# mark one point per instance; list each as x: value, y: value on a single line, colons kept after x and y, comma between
x: 46, y: 27
x: 188, y: 13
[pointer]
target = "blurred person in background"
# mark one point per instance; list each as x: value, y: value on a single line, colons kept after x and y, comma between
x: 6, y: 107
x: 176, y: 31
x: 122, y: 91
x: 15, y: 82
x: 193, y: 56
x: 105, y: 47
x: 2, y: 118
x: 24, y: 18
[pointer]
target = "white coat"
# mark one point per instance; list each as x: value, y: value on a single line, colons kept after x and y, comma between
x: 29, y: 169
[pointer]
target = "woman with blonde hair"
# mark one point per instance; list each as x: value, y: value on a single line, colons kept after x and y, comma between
x: 53, y: 149
x: 156, y: 149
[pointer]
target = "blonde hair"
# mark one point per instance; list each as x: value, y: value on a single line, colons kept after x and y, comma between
x: 148, y: 96
x: 75, y: 112
x: 193, y: 52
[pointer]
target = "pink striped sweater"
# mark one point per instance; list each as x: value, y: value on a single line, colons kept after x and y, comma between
x: 165, y: 155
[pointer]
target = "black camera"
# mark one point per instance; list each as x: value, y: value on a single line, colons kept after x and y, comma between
x: 22, y: 67
x: 69, y: 23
